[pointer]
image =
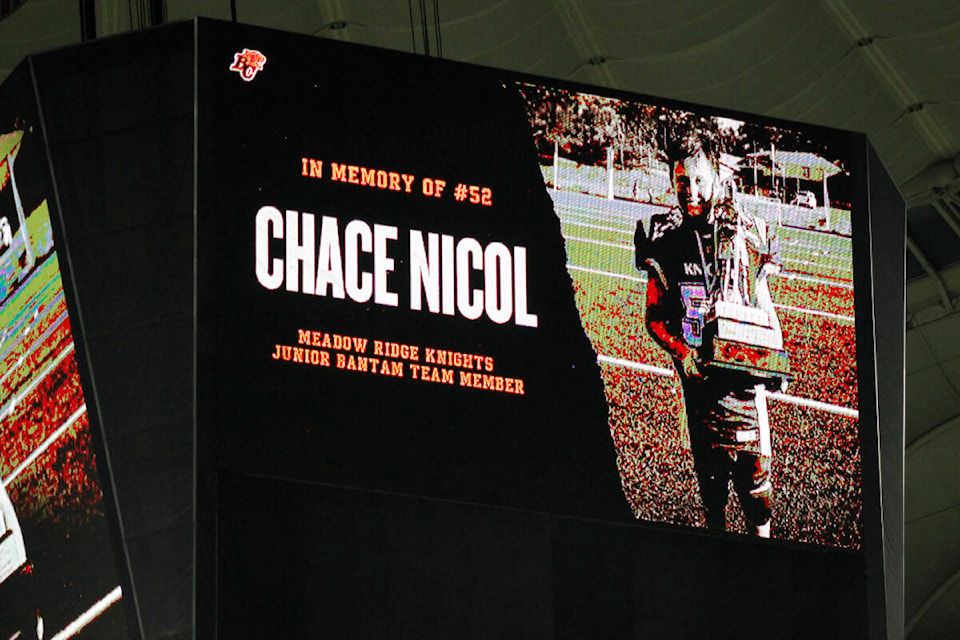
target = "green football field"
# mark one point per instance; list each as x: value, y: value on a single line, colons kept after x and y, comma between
x: 814, y: 426
x: 47, y: 464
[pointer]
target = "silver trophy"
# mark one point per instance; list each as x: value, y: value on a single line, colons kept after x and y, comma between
x: 742, y: 330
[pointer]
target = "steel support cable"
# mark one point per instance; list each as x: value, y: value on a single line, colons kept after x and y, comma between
x: 423, y: 26
x: 436, y: 28
x: 413, y: 30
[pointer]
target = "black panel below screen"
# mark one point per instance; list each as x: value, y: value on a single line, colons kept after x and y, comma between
x: 319, y: 561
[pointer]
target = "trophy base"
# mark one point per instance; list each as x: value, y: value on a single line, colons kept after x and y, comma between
x: 759, y: 361
x: 749, y: 325
x: 741, y: 338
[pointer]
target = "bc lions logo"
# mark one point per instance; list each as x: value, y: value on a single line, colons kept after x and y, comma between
x: 248, y: 63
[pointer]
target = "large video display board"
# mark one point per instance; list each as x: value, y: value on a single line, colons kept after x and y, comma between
x: 436, y: 282
x: 58, y: 567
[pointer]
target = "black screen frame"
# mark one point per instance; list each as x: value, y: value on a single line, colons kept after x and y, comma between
x: 861, y: 211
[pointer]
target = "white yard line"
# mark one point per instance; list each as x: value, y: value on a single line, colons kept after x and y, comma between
x: 33, y: 383
x: 813, y: 404
x: 90, y: 614
x: 609, y: 274
x: 598, y: 227
x: 36, y: 343
x: 630, y: 213
x: 775, y: 395
x: 789, y: 275
x: 621, y: 276
x: 638, y: 366
x: 36, y: 453
x: 615, y: 245
x: 814, y: 312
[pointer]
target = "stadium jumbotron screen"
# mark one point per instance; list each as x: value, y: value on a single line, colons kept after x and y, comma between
x: 481, y: 346
x: 469, y: 287
x: 58, y: 568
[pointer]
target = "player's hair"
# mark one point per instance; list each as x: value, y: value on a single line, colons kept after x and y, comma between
x: 686, y: 135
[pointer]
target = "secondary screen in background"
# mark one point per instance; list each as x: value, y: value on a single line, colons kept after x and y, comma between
x: 57, y: 568
x: 606, y: 164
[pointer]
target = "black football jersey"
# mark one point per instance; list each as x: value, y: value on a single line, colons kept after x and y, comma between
x: 679, y: 253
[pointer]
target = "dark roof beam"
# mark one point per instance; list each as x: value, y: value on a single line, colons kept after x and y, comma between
x: 930, y: 271
x: 953, y: 200
x: 949, y: 215
x: 938, y: 181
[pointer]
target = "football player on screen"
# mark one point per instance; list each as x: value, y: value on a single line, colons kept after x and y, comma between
x: 726, y: 413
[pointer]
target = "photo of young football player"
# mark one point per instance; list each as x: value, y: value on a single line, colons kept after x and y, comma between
x: 725, y: 407
x: 720, y: 307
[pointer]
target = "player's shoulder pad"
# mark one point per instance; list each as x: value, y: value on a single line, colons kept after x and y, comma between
x: 663, y: 223
x: 643, y: 238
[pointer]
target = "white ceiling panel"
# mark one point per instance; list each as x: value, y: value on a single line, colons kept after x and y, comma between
x: 944, y: 336
x: 932, y: 556
x: 930, y: 401
x: 945, y: 615
x: 918, y: 352
x: 928, y: 465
